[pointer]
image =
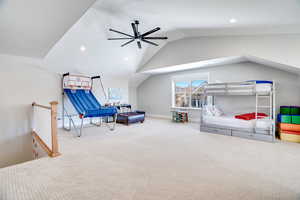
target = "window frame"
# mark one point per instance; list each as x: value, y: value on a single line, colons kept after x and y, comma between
x: 187, y: 78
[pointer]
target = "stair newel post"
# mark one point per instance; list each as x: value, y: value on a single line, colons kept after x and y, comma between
x: 55, y: 151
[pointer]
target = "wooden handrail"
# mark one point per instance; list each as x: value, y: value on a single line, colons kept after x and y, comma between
x: 53, y: 151
x: 41, y: 106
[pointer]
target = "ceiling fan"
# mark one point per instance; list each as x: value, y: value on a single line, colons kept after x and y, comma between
x: 138, y: 37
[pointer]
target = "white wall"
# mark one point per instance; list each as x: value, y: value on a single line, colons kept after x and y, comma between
x: 133, y: 97
x: 111, y: 82
x: 282, y: 49
x: 155, y: 94
x: 21, y: 84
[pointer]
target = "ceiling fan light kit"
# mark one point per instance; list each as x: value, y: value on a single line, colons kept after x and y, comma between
x: 137, y: 36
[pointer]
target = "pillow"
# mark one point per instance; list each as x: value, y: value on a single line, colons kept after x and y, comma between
x: 208, y: 110
x: 217, y: 111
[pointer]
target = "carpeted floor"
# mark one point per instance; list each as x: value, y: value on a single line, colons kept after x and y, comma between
x: 157, y: 160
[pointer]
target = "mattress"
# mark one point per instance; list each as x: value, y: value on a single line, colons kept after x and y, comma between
x: 231, y: 122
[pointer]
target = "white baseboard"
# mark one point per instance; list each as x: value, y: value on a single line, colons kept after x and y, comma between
x: 155, y: 116
x: 158, y: 116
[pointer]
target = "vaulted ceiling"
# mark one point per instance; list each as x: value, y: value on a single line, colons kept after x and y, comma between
x: 178, y: 19
x: 32, y: 27
x: 203, y: 16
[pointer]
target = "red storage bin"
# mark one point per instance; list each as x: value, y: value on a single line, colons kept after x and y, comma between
x: 291, y: 132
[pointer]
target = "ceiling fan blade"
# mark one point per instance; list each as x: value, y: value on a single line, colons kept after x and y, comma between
x: 119, y: 38
x: 155, y: 38
x: 121, y: 33
x: 127, y: 43
x: 149, y: 42
x: 150, y: 32
x: 139, y: 44
x: 134, y: 30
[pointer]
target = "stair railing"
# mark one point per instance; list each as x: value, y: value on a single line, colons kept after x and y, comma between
x: 51, y: 150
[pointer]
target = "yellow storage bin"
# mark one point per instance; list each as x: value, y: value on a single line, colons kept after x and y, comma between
x: 290, y: 137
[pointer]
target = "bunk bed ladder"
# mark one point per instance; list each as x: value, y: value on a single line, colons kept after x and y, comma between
x: 264, y: 107
x: 270, y: 107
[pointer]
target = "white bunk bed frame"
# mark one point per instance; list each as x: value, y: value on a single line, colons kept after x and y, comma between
x: 241, y: 89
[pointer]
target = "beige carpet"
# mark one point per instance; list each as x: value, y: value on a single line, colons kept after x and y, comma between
x: 157, y: 160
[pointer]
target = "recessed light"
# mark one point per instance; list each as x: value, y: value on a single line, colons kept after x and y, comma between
x: 126, y: 58
x: 232, y: 20
x: 82, y: 48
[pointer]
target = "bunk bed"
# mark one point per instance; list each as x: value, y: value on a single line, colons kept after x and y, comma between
x: 260, y: 128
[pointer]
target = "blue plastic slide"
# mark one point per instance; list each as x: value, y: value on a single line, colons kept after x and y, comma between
x: 87, y: 105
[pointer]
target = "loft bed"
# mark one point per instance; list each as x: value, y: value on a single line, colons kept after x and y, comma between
x: 257, y: 128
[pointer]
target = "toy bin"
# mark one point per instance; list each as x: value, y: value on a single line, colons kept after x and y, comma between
x: 285, y: 110
x: 295, y: 110
x: 285, y: 119
x: 289, y: 127
x: 295, y: 119
x: 290, y: 136
x: 290, y: 110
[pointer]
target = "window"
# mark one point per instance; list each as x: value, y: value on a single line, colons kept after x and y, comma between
x: 187, y: 90
x: 182, y: 94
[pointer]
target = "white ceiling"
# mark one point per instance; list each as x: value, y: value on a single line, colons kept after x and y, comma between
x: 210, y: 15
x: 221, y: 62
x: 101, y: 56
x: 31, y: 27
x: 177, y: 18
x: 196, y: 65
